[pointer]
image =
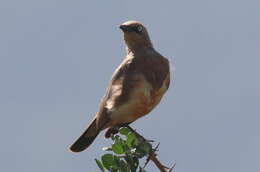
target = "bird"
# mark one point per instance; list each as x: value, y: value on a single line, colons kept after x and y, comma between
x: 136, y: 86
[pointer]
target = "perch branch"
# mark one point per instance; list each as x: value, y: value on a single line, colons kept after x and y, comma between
x: 152, y: 155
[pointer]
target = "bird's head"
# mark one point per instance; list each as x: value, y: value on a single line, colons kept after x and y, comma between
x: 135, y: 35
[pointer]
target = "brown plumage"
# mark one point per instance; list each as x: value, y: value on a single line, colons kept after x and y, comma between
x: 136, y: 87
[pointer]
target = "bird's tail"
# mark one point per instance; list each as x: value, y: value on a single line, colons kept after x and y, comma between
x: 85, y: 140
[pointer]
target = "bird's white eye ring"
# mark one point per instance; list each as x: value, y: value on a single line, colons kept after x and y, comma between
x: 139, y: 28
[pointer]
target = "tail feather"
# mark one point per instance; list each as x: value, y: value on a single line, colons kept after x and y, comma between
x: 85, y: 140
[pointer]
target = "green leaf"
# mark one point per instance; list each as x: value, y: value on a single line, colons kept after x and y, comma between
x: 147, y: 147
x: 113, y: 169
x: 100, y: 165
x: 108, y: 161
x: 131, y: 139
x: 123, y: 166
x: 124, y: 131
x: 140, y: 153
x: 142, y: 149
x: 118, y: 148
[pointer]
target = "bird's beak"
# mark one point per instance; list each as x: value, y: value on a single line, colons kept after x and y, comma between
x: 124, y: 28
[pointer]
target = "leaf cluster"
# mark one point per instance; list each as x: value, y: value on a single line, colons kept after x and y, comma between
x: 124, y: 153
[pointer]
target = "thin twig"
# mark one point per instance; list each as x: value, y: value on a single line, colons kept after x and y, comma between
x: 173, y: 166
x: 158, y: 163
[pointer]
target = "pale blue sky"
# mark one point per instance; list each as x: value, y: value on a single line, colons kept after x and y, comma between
x: 57, y: 56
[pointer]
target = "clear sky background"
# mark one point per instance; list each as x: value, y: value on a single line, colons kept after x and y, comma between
x: 57, y: 56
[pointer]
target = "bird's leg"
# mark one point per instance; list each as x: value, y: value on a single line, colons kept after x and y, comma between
x: 111, y: 131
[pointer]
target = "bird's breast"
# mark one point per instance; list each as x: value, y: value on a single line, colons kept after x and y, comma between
x: 142, y: 99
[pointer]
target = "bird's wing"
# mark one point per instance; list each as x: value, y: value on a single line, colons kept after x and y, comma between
x: 116, y: 92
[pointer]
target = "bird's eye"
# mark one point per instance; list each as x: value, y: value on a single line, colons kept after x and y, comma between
x: 139, y: 29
